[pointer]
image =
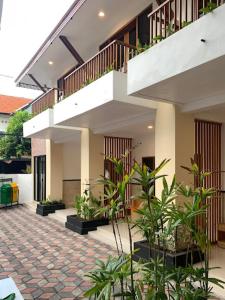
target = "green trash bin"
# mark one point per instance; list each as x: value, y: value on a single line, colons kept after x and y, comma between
x: 6, y: 194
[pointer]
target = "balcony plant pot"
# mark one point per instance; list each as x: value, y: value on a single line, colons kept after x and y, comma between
x: 173, y: 258
x: 44, y: 210
x: 82, y: 226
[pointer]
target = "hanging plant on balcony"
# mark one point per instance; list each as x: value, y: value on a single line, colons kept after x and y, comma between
x: 208, y: 8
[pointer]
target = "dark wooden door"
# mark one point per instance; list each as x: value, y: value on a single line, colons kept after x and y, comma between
x: 39, y: 178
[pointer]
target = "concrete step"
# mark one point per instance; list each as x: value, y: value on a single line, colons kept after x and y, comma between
x: 105, y: 235
x: 60, y: 215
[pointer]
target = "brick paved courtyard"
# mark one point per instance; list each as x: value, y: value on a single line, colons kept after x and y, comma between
x: 45, y: 260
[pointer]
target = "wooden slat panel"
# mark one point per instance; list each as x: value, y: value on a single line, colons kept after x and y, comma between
x: 208, y: 155
x: 98, y: 65
x: 176, y: 13
x: 117, y: 147
x: 45, y: 101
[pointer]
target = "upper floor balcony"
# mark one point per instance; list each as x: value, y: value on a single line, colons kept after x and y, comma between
x: 187, y: 66
x: 114, y: 56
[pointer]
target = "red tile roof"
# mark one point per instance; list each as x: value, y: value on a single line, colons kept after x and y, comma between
x: 9, y: 104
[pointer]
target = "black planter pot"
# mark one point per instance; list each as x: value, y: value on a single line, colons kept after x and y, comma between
x: 176, y: 259
x: 44, y: 210
x: 82, y: 226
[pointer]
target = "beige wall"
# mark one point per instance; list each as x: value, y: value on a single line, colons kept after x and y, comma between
x: 144, y: 146
x: 71, y: 188
x: 54, y: 170
x: 174, y: 140
x: 71, y: 160
x: 92, y: 161
x: 38, y: 147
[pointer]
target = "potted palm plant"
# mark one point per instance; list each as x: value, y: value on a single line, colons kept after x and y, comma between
x: 48, y: 206
x: 87, y: 216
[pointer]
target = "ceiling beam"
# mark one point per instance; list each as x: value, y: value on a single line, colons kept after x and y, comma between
x: 37, y: 83
x: 71, y: 49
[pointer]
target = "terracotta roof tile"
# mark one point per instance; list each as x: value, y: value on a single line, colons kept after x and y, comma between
x: 9, y: 104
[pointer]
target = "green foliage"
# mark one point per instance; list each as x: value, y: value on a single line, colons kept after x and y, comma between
x: 158, y: 38
x: 142, y: 48
x: 160, y: 222
x: 209, y: 8
x: 48, y: 201
x: 170, y: 29
x: 106, y: 279
x: 87, y: 206
x: 13, y: 144
x: 186, y: 23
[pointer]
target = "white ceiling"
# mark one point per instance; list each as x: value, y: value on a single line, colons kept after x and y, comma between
x: 199, y: 83
x: 58, y: 135
x: 125, y: 119
x: 86, y: 31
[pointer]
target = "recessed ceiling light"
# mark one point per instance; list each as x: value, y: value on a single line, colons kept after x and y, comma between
x: 150, y: 127
x: 101, y: 14
x: 50, y: 62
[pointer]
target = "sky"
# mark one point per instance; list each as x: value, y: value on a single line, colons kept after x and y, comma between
x: 25, y: 25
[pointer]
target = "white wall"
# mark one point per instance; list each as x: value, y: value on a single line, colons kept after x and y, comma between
x: 71, y: 161
x: 25, y: 183
x: 144, y: 146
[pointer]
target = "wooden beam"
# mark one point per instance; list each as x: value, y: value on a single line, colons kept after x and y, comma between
x: 71, y: 49
x: 37, y: 83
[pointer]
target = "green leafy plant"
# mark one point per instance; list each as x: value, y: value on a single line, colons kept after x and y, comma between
x: 209, y: 8
x: 49, y: 201
x: 142, y: 48
x: 12, y: 144
x: 158, y: 38
x: 87, y: 206
x: 160, y: 222
x: 170, y: 29
x: 186, y: 23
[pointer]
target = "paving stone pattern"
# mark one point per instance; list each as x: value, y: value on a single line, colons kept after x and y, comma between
x: 46, y: 260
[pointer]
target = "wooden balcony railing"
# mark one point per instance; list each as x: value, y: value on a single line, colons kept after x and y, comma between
x: 113, y: 57
x: 173, y: 15
x: 44, y: 102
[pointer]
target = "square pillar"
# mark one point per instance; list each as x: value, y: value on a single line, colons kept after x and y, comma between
x: 54, y: 170
x: 92, y: 161
x: 174, y: 140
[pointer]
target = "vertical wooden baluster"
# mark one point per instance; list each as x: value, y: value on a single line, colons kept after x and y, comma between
x: 151, y: 29
x: 120, y: 57
x: 186, y: 11
x: 180, y: 14
x: 175, y: 15
x: 160, y: 21
x: 116, y: 56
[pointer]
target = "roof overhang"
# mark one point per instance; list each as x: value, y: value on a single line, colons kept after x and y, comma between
x: 42, y: 126
x: 104, y: 107
x: 85, y: 30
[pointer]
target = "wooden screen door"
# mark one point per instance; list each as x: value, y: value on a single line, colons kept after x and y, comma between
x: 39, y: 178
x: 208, y: 157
